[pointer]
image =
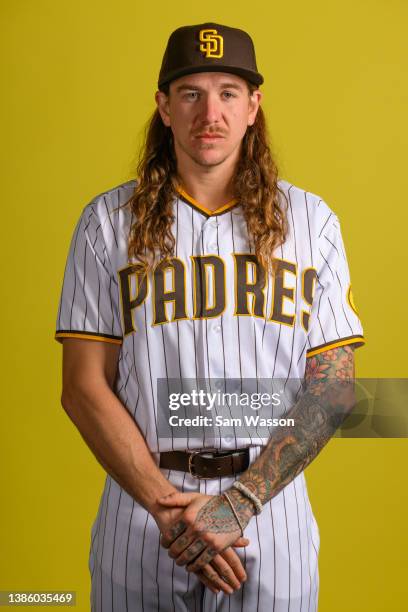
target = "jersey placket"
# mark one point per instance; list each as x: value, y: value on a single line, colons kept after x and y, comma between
x: 212, y: 327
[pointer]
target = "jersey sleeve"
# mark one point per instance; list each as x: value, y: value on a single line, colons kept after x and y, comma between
x: 334, y: 318
x: 88, y: 306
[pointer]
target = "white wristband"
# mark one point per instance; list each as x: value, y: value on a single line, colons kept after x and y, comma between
x: 254, y: 499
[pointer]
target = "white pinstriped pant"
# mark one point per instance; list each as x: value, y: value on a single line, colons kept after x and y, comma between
x: 131, y: 572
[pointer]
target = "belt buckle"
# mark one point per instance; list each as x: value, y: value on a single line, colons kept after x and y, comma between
x: 191, y: 462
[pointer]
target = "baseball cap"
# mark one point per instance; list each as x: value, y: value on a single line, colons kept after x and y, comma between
x: 209, y: 47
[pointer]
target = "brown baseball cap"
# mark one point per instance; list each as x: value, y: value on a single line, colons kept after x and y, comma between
x: 209, y: 47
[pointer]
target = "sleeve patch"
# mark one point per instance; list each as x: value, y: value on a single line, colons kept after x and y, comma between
x: 350, y: 300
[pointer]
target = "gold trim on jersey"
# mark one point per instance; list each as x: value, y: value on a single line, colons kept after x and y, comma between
x: 161, y: 268
x: 358, y: 340
x: 304, y: 314
x: 203, y: 208
x: 259, y: 276
x: 219, y: 294
x: 87, y: 336
x: 279, y: 294
x: 136, y: 269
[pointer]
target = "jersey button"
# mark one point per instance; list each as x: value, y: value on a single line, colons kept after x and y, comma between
x: 213, y: 247
x: 217, y: 328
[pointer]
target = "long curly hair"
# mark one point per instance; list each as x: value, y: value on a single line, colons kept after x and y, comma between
x: 254, y: 183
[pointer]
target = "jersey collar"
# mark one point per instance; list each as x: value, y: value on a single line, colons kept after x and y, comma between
x: 201, y: 208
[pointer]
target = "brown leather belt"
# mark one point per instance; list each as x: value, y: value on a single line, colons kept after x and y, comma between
x: 207, y: 462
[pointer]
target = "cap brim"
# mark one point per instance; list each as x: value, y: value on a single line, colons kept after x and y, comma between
x: 253, y: 77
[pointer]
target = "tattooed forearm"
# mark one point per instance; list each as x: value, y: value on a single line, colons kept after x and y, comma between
x: 326, y: 402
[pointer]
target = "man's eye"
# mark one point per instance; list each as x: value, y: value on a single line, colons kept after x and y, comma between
x: 228, y: 94
x: 191, y: 95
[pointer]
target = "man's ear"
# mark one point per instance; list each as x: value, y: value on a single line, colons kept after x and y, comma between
x: 162, y: 102
x: 254, y: 103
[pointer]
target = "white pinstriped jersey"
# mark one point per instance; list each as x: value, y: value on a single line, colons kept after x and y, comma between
x: 221, y: 323
x: 165, y: 333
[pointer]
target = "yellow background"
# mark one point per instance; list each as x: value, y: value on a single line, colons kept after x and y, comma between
x: 78, y: 85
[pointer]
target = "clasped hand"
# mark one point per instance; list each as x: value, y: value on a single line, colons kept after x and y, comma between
x: 201, y: 538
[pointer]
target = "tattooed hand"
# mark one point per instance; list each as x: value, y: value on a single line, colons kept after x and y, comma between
x: 225, y: 572
x: 206, y: 528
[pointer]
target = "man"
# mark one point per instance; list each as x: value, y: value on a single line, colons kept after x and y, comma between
x: 208, y: 267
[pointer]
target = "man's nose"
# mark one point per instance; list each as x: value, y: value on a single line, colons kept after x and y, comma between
x: 210, y: 109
